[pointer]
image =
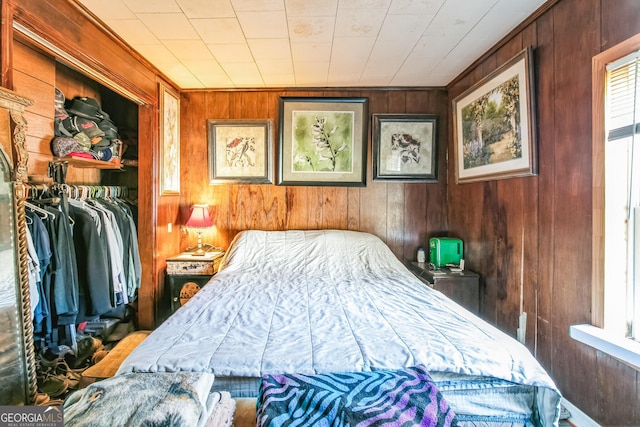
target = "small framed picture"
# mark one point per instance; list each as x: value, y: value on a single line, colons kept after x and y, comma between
x: 240, y: 151
x: 405, y: 147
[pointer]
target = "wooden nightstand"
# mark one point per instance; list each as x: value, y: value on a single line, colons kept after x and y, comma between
x: 187, y: 273
x: 461, y: 286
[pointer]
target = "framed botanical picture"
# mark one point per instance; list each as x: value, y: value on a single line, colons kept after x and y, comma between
x: 405, y: 147
x: 323, y: 141
x: 240, y: 151
x: 494, y: 124
x: 169, y: 141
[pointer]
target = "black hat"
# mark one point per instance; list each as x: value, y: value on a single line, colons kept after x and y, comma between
x: 69, y: 126
x: 109, y: 128
x: 85, y: 107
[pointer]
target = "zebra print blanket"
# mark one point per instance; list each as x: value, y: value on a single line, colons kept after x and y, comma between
x: 405, y: 397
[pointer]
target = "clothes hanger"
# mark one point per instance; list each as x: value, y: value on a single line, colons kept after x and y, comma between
x: 37, y: 209
x: 50, y: 200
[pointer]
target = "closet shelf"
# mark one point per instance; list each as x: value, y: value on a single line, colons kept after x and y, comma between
x: 89, y: 163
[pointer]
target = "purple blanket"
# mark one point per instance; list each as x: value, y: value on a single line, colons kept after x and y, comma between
x: 405, y: 397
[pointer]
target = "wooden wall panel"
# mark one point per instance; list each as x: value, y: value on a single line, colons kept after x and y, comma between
x: 34, y: 78
x: 381, y: 208
x: 36, y: 75
x: 546, y: 189
x: 530, y: 238
x: 150, y: 291
x: 572, y: 288
x: 59, y: 20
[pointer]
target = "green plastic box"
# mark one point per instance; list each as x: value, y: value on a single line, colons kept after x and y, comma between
x: 445, y: 250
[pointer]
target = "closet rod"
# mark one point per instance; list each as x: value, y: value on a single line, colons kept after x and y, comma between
x: 33, y: 190
x: 82, y: 191
x: 75, y: 189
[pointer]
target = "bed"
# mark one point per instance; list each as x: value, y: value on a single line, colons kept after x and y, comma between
x: 328, y: 301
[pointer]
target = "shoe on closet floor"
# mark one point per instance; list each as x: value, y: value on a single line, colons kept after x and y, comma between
x: 86, y: 347
x: 53, y: 385
x: 43, y: 399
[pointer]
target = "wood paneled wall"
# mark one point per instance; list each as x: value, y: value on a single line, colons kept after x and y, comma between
x: 539, y: 228
x: 36, y: 76
x: 403, y: 214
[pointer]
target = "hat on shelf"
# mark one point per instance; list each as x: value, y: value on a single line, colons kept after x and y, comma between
x: 62, y: 146
x: 83, y: 140
x: 59, y: 111
x: 102, y: 143
x: 89, y: 127
x: 104, y: 155
x: 85, y: 107
x: 81, y: 154
x: 109, y: 128
x: 68, y: 126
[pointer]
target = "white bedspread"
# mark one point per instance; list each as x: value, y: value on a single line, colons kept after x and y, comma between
x: 329, y: 301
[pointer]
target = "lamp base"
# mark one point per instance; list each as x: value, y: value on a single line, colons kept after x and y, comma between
x: 199, y: 250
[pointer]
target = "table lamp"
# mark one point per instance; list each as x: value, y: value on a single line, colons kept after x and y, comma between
x: 199, y: 219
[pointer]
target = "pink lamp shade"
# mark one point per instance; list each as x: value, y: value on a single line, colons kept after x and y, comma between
x: 199, y: 218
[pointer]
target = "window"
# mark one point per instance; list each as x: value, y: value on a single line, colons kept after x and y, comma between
x: 622, y: 198
x: 615, y: 323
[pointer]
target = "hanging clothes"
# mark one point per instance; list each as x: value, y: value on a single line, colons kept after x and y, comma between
x: 87, y: 251
x: 115, y: 225
x: 94, y: 275
x: 129, y: 237
x: 33, y: 268
x: 42, y: 246
x: 64, y: 282
x: 56, y: 314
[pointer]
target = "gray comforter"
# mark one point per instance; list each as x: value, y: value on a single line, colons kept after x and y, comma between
x: 331, y: 301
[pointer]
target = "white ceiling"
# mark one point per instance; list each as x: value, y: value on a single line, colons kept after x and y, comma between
x: 311, y: 43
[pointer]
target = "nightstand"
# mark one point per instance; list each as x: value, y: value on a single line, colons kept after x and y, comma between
x: 187, y: 273
x: 461, y: 286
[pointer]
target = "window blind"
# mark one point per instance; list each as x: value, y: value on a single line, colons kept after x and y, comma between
x: 623, y: 85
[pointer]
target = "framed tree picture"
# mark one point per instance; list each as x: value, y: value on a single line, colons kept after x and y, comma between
x: 240, y: 151
x: 323, y: 141
x: 405, y: 147
x: 494, y: 124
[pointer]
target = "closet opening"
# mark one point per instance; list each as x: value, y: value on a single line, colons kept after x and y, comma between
x: 83, y: 218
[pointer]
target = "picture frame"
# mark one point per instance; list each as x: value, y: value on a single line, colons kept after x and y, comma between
x: 323, y: 141
x: 240, y: 151
x: 405, y: 147
x: 169, y: 141
x: 494, y: 124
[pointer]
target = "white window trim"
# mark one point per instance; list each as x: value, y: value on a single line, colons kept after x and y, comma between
x: 578, y: 418
x: 624, y: 349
